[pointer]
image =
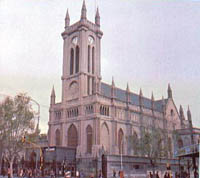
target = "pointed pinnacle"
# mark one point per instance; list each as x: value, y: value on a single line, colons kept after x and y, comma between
x: 141, y: 92
x: 169, y: 87
x: 67, y: 15
x: 53, y: 92
x: 152, y: 97
x: 83, y: 5
x: 97, y: 12
x: 127, y: 88
x: 113, y: 82
x: 83, y: 11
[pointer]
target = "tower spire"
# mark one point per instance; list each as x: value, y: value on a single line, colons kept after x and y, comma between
x: 169, y: 91
x: 141, y: 92
x: 189, y: 116
x: 67, y: 19
x: 83, y: 11
x: 97, y: 17
x: 113, y: 89
x: 127, y: 88
x: 141, y: 98
x: 152, y: 97
x: 113, y: 82
x: 53, y: 96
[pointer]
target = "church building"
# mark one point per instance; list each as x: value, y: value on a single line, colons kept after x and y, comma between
x: 94, y: 116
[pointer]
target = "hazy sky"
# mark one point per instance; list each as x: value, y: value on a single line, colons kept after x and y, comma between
x: 147, y: 43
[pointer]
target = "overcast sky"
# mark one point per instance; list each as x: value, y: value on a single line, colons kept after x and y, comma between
x: 147, y: 43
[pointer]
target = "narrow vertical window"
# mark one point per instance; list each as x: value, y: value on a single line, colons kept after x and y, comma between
x: 77, y: 59
x: 89, y: 138
x: 93, y: 60
x: 93, y: 87
x: 88, y: 58
x: 88, y: 85
x: 71, y: 61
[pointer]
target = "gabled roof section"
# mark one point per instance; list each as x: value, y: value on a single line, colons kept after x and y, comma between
x: 134, y: 98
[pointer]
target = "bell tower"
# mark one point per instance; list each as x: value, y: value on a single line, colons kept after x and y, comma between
x: 81, y: 57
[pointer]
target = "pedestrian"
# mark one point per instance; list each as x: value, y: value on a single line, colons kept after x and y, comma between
x: 21, y: 173
x: 100, y: 174
x: 52, y: 173
x: 157, y: 175
x: 9, y: 172
x: 114, y: 173
x: 150, y: 175
x: 82, y: 174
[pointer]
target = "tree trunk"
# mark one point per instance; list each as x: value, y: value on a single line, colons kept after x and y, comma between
x: 1, y: 152
x: 11, y: 166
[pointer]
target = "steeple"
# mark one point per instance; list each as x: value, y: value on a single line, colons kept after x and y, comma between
x: 181, y: 113
x: 141, y: 98
x: 127, y: 94
x: 53, y: 96
x: 152, y: 97
x: 152, y: 101
x: 67, y: 20
x: 113, y: 82
x: 113, y: 88
x: 169, y: 91
x: 97, y: 17
x: 189, y: 117
x: 141, y: 92
x: 127, y: 88
x: 83, y: 11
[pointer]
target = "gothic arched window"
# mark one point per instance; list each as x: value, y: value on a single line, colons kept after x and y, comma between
x: 58, y: 139
x: 120, y: 141
x: 77, y: 59
x: 89, y: 139
x: 93, y: 60
x: 71, y: 61
x: 72, y: 136
x: 88, y: 58
x: 105, y: 138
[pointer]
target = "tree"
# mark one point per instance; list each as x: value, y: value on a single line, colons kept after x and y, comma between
x: 150, y: 144
x: 16, y: 120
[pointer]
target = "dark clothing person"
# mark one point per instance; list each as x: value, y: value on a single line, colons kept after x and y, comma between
x: 157, y: 176
x: 114, y: 173
x: 150, y: 175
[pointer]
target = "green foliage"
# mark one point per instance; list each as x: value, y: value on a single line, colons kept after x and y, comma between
x: 16, y: 120
x: 150, y: 144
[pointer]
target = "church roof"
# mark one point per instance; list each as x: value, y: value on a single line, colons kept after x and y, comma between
x: 134, y: 98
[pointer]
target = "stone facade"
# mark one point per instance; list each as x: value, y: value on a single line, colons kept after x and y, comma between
x: 96, y: 117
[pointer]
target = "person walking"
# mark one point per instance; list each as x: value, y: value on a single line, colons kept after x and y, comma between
x: 9, y: 172
x: 114, y: 173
